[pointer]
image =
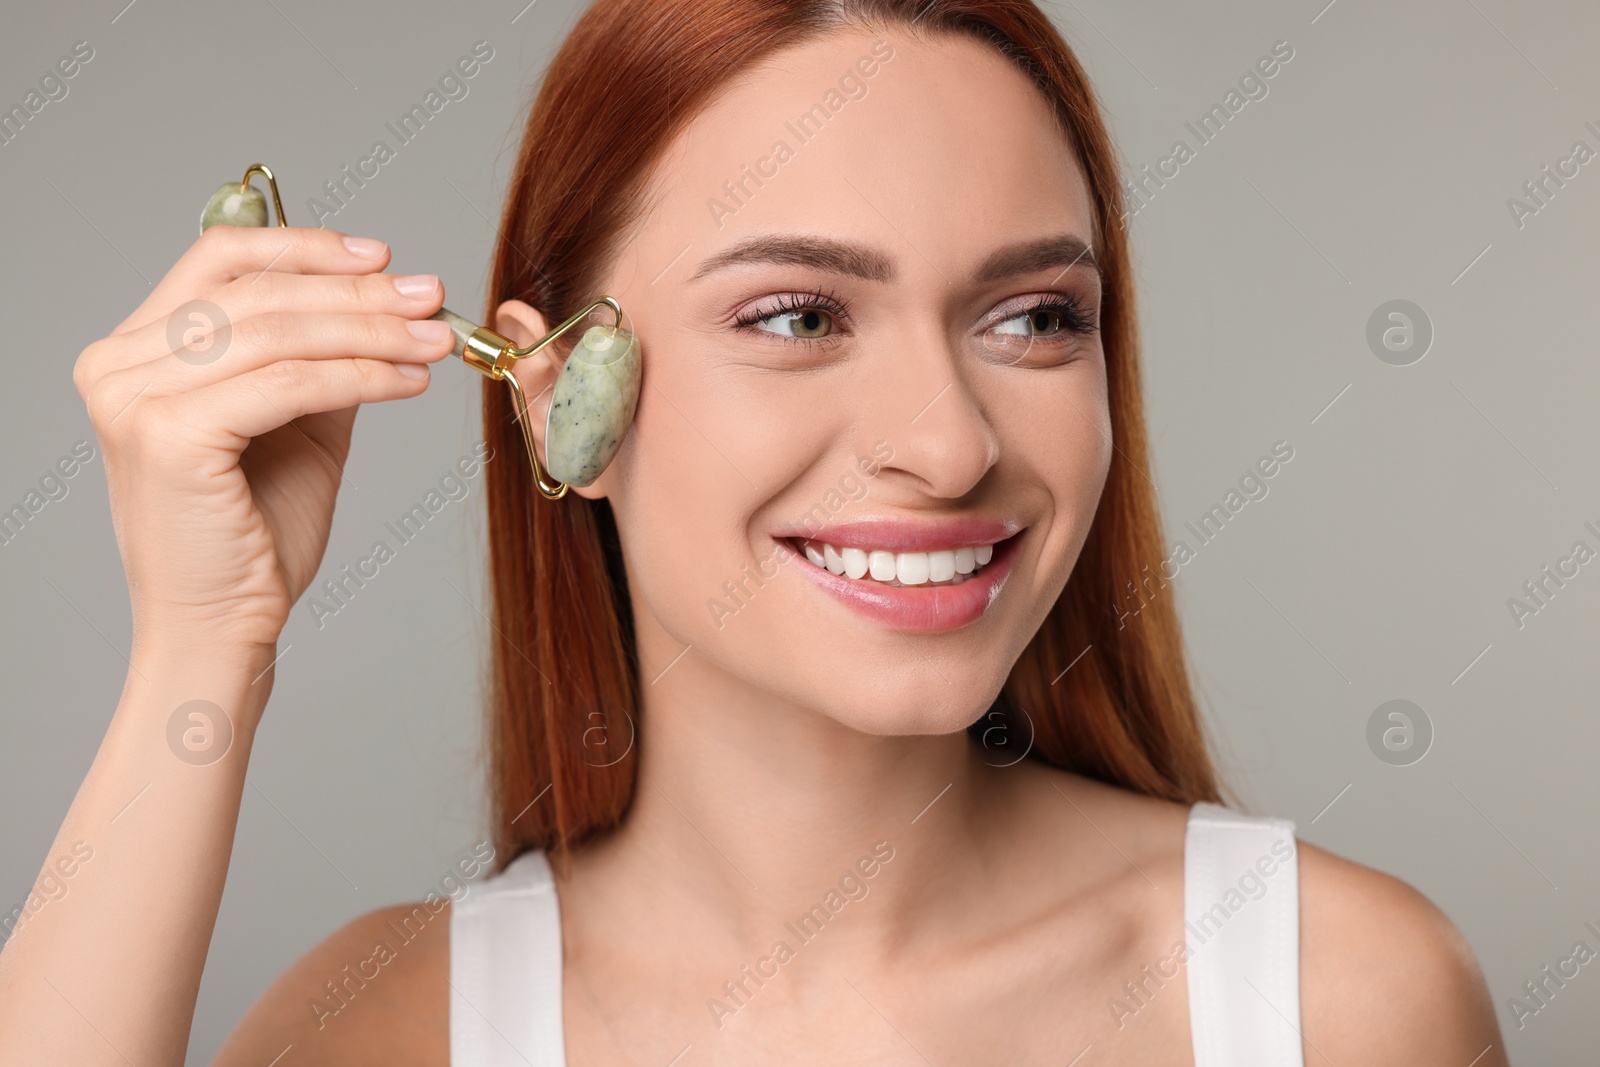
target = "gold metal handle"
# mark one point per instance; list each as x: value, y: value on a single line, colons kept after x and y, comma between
x: 492, y: 355
x: 272, y: 183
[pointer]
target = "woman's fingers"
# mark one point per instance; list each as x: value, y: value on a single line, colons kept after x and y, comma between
x: 202, y: 333
x: 272, y: 337
x: 225, y: 253
x: 251, y: 404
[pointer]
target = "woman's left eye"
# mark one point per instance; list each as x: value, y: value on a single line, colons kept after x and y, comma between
x: 1047, y: 319
x: 1041, y: 323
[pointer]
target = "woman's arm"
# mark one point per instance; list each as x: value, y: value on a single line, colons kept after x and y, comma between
x: 109, y: 972
x: 224, y: 407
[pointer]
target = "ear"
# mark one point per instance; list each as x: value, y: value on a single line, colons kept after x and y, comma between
x: 523, y: 326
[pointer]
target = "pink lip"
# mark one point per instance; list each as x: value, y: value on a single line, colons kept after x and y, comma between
x: 915, y: 608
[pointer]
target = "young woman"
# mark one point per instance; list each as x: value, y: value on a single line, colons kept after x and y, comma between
x: 762, y: 692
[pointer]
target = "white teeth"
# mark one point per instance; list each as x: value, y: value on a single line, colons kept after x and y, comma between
x: 911, y: 568
x: 952, y: 565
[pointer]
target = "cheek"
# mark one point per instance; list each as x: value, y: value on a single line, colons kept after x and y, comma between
x: 715, y: 440
x: 709, y: 447
x: 677, y: 491
x: 1098, y: 438
x: 1067, y: 434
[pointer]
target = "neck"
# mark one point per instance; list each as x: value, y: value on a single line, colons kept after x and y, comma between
x: 755, y: 808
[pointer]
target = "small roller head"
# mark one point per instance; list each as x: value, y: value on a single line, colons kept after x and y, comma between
x: 235, y: 205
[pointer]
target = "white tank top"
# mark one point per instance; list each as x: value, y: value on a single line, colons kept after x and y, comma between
x: 1241, y: 909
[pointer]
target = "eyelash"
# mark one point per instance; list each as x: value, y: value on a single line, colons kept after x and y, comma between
x: 1076, y: 318
x: 817, y: 299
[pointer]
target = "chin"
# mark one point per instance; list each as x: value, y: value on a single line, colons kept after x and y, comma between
x: 924, y: 706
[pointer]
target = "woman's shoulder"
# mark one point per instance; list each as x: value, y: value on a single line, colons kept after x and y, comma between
x: 1386, y: 977
x: 376, y: 990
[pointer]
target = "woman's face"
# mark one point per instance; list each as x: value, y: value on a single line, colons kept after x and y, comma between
x: 868, y: 305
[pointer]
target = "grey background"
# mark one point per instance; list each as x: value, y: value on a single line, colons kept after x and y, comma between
x: 1378, y: 567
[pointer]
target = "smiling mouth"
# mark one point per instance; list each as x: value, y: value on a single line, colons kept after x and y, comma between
x: 935, y: 569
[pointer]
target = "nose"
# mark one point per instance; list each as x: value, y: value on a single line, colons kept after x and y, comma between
x: 930, y: 414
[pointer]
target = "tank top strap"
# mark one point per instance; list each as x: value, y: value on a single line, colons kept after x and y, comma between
x: 505, y: 970
x: 1241, y: 910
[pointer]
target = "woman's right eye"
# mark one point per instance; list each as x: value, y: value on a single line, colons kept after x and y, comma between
x: 806, y: 323
x: 818, y: 315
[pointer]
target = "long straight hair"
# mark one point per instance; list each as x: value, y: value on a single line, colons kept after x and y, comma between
x: 1094, y: 692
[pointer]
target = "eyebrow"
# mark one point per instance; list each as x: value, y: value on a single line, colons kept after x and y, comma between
x: 832, y: 256
x: 1062, y: 250
x: 818, y: 253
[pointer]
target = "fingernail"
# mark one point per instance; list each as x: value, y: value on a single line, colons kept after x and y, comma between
x: 365, y: 247
x: 431, y: 330
x: 416, y: 284
x: 412, y: 370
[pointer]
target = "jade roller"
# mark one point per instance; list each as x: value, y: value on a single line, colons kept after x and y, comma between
x: 596, y: 391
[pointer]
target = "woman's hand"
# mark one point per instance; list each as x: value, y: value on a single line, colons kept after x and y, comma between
x: 224, y: 407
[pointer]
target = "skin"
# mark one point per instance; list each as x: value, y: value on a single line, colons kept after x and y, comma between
x: 1018, y: 897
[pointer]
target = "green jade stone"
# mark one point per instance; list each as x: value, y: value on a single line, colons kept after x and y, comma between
x: 235, y: 205
x: 592, y: 405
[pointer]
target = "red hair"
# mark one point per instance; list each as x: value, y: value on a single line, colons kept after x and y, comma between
x: 564, y: 668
